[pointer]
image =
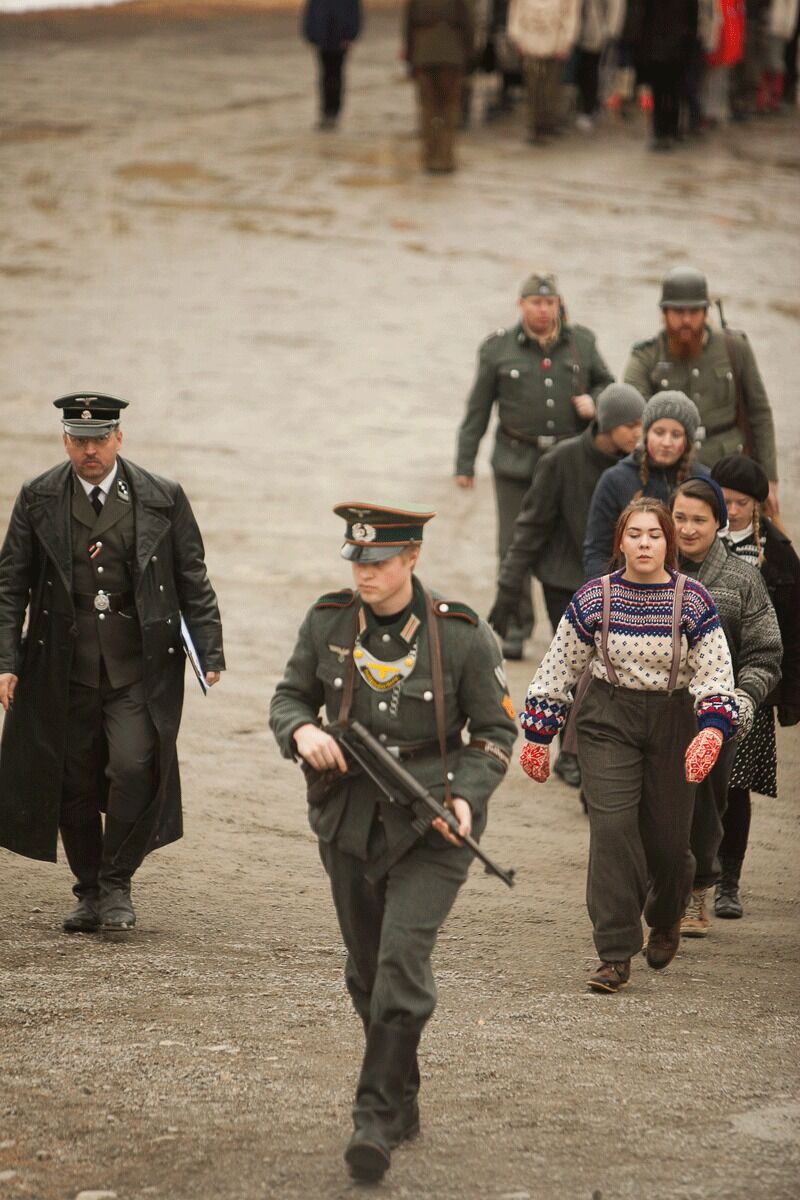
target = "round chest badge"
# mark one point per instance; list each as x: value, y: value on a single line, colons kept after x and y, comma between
x: 364, y: 533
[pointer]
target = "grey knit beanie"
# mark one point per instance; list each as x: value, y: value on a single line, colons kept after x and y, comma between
x: 618, y: 404
x: 675, y: 406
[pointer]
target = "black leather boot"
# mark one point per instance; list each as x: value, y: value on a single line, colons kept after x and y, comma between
x: 83, y: 846
x: 389, y: 1059
x: 727, y: 902
x: 404, y: 1125
x: 115, y: 910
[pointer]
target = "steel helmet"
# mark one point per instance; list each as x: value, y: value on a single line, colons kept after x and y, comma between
x: 684, y: 287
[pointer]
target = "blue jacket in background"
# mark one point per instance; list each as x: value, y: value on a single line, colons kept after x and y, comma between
x: 616, y: 487
x: 328, y: 23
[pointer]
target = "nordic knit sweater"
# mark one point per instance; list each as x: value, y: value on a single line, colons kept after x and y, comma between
x: 640, y: 650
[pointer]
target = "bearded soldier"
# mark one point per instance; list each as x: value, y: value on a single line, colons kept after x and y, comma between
x: 415, y: 670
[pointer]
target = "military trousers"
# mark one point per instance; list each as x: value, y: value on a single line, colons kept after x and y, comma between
x: 509, y: 494
x: 390, y: 927
x: 109, y: 731
x: 439, y: 89
x: 543, y: 90
x: 631, y: 753
x: 708, y: 829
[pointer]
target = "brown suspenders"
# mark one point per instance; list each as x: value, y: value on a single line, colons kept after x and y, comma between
x: 677, y: 604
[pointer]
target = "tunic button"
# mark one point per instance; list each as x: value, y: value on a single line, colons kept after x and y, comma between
x: 99, y: 570
x: 550, y: 402
x: 665, y: 383
x: 386, y: 637
x: 49, y: 583
x: 161, y: 587
x: 101, y: 616
x: 45, y: 612
x: 171, y: 650
x: 546, y: 364
x: 729, y: 375
x: 444, y: 608
x: 382, y: 706
x: 383, y: 737
x: 551, y: 424
x: 548, y: 383
x: 695, y: 371
x: 337, y: 683
x: 154, y: 558
x: 514, y: 374
x: 450, y: 776
x: 427, y: 696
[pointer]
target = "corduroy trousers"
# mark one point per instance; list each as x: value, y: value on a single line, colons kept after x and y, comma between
x: 631, y: 752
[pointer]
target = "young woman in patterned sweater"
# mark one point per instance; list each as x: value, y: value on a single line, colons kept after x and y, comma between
x: 659, y: 706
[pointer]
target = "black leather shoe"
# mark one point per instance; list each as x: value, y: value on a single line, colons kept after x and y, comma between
x: 84, y: 917
x: 368, y: 1154
x: 566, y: 767
x: 115, y: 910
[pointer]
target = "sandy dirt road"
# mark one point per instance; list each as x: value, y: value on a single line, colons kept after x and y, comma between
x: 294, y: 318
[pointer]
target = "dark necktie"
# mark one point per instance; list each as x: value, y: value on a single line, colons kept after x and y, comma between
x: 96, y: 502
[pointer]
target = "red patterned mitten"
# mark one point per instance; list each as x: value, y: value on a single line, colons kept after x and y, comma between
x: 535, y: 761
x: 701, y: 754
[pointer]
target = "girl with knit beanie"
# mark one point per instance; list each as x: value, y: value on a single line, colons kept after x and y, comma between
x: 762, y: 543
x: 670, y: 429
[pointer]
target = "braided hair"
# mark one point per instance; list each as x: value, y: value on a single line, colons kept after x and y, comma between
x: 683, y: 467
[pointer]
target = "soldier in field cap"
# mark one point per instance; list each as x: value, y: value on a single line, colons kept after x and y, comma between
x: 419, y: 672
x: 103, y: 557
x: 544, y: 375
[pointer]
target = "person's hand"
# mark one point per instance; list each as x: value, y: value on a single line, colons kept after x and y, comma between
x: 701, y: 754
x: 8, y: 685
x: 771, y: 506
x: 465, y: 481
x: 212, y: 677
x: 504, y: 610
x: 319, y: 749
x: 747, y: 715
x: 535, y: 761
x: 463, y: 814
x: 584, y: 406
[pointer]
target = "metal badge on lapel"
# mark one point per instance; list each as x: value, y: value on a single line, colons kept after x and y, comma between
x: 122, y: 491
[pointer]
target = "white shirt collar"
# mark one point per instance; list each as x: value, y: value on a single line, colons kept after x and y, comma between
x: 104, y: 484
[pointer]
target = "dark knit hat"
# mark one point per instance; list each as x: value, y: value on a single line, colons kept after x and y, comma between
x: 694, y: 487
x: 673, y: 406
x: 741, y: 474
x: 618, y: 404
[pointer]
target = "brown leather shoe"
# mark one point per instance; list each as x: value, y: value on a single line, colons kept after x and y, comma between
x: 662, y: 945
x: 610, y: 976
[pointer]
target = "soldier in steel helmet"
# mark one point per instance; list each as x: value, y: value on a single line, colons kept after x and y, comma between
x: 544, y: 376
x: 716, y: 368
x: 371, y: 655
x: 105, y: 558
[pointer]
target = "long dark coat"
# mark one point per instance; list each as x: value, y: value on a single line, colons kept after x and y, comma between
x: 781, y: 571
x: 329, y: 23
x: 169, y: 578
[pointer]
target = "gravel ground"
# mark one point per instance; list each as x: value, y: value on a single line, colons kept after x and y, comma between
x: 294, y: 318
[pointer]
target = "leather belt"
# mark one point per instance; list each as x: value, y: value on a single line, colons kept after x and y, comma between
x: 541, y: 442
x: 103, y: 601
x: 419, y: 749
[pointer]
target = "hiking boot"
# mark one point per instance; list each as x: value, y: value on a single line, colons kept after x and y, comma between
x: 566, y: 767
x: 696, y: 921
x: 662, y: 945
x: 610, y: 976
x: 727, y: 902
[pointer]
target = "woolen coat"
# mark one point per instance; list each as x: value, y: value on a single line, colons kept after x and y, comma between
x: 169, y: 578
x: 329, y: 23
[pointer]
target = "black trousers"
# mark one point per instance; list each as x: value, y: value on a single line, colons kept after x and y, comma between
x: 736, y: 825
x: 115, y: 720
x: 509, y: 494
x: 711, y: 801
x: 587, y: 77
x: 666, y: 83
x: 630, y: 750
x: 331, y: 81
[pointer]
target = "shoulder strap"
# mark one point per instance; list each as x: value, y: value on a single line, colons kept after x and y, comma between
x: 577, y: 370
x: 610, y: 672
x: 350, y: 671
x: 742, y: 416
x: 437, y: 676
x: 677, y: 606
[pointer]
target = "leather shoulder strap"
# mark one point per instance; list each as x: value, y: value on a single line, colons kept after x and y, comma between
x: 677, y: 606
x: 437, y: 676
x: 610, y: 672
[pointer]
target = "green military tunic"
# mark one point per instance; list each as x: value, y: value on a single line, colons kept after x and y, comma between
x: 533, y: 390
x: 390, y: 923
x: 710, y: 381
